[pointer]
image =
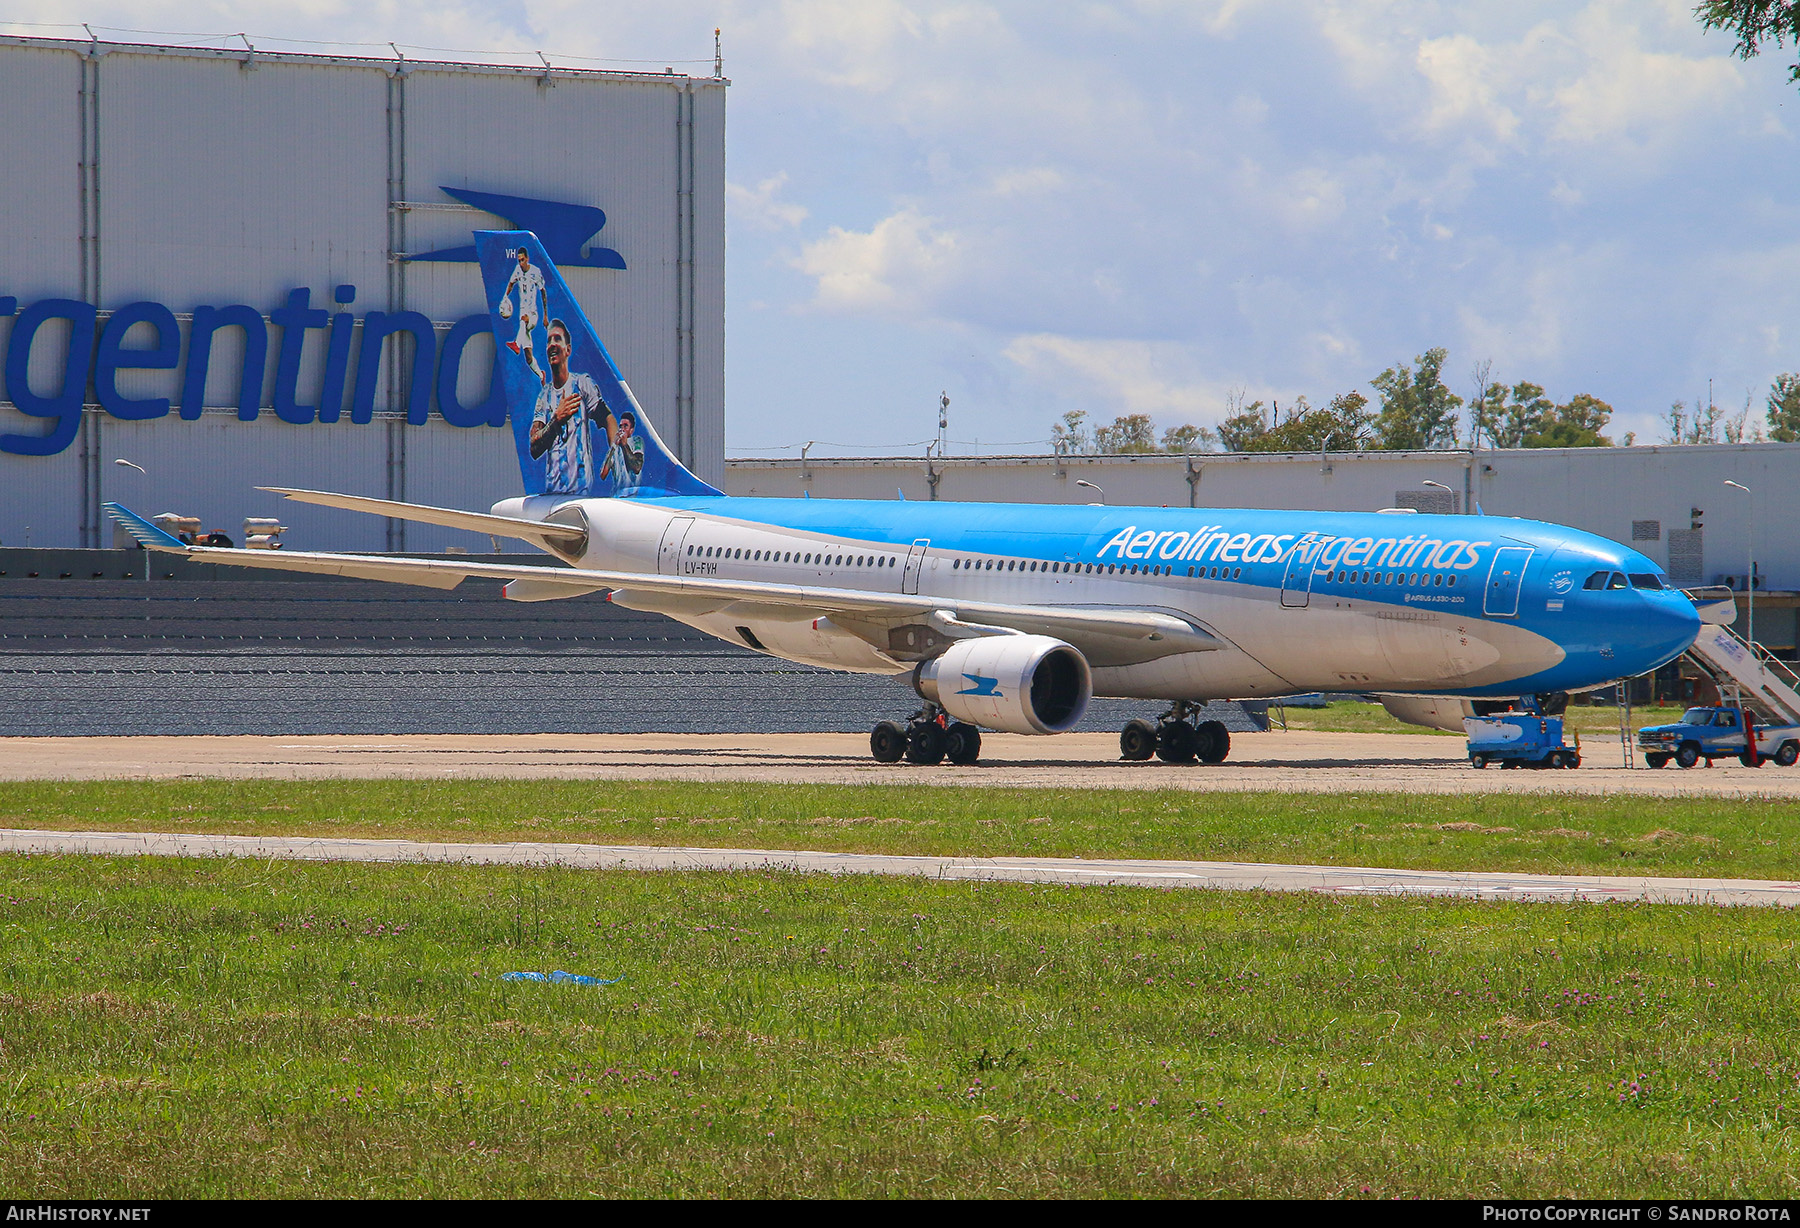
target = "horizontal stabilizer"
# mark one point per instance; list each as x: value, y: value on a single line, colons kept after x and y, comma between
x: 567, y: 538
x: 145, y: 534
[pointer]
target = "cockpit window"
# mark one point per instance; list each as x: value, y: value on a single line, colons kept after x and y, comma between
x: 1596, y: 581
x: 1617, y: 581
x: 1647, y: 580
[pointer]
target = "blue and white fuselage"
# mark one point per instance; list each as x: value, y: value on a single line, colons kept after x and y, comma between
x: 1300, y: 601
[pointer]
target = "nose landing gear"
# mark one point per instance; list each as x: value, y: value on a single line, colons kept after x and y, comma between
x: 927, y: 737
x: 1175, y: 739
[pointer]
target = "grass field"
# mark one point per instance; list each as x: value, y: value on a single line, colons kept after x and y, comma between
x: 195, y: 1028
x: 1345, y: 716
x: 1550, y: 834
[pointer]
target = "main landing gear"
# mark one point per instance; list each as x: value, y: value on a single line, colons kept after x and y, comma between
x: 929, y: 736
x: 1174, y: 739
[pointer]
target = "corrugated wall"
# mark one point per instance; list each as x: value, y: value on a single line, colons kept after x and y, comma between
x: 200, y: 178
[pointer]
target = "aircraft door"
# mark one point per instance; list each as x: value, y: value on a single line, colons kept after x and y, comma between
x: 1296, y: 581
x: 915, y: 563
x: 1501, y: 598
x: 668, y: 555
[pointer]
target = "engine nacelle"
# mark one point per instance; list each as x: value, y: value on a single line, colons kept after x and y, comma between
x: 1014, y: 683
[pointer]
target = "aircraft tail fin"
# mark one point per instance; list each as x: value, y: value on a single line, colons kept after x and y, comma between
x: 578, y: 428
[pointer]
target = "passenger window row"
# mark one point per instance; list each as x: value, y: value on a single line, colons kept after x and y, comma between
x: 1399, y: 579
x: 1091, y: 569
x: 790, y: 556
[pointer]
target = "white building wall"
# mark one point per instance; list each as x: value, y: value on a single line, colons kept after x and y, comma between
x: 196, y: 177
x: 40, y: 190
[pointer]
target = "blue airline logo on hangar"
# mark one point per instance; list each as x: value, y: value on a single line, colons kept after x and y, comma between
x: 561, y: 227
x: 98, y: 351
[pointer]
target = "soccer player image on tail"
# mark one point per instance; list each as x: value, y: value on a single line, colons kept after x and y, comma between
x: 569, y: 409
x: 625, y: 461
x: 530, y: 283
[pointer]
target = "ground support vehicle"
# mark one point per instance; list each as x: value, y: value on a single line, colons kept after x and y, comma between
x: 1520, y: 739
x: 1719, y: 733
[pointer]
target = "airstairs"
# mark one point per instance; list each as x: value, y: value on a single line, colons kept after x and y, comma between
x: 1748, y: 675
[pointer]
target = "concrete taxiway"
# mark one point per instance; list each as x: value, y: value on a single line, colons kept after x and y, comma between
x: 1216, y: 875
x: 1285, y: 762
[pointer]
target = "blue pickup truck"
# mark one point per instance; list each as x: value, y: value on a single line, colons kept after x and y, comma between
x: 1719, y: 733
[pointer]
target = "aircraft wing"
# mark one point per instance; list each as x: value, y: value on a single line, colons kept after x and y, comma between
x: 1107, y: 635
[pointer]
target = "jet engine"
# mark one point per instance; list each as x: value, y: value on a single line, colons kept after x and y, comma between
x: 1014, y: 683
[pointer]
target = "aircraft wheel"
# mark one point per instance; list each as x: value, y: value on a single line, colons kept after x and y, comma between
x: 1478, y: 760
x: 925, y: 743
x: 1176, y: 742
x: 1215, y: 742
x: 1657, y: 760
x: 888, y: 743
x: 1688, y: 755
x: 962, y: 743
x: 1788, y: 754
x: 1137, y: 741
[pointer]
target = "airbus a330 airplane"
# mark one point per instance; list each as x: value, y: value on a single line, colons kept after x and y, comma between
x: 1010, y: 617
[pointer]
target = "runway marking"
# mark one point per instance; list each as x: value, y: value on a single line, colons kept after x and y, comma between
x: 1214, y: 875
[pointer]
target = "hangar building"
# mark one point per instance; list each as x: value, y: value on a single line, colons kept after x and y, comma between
x: 235, y: 268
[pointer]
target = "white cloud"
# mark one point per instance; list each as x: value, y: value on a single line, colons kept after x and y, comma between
x: 1304, y: 198
x: 1521, y: 322
x: 1466, y: 82
x: 1126, y: 376
x: 1027, y: 181
x: 896, y: 264
x: 1628, y: 93
x: 758, y: 205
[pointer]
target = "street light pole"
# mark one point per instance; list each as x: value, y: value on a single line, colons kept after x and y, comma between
x: 1442, y: 487
x: 1750, y: 576
x: 1091, y: 486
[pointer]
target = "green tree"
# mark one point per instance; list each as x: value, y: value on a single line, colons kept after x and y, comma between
x: 1187, y: 438
x: 1127, y: 433
x: 1243, y: 425
x: 1418, y: 410
x: 1575, y: 425
x: 1487, y: 409
x: 1070, y: 436
x: 1740, y: 429
x: 1516, y: 416
x: 1342, y: 426
x: 1784, y: 409
x: 1755, y: 22
x: 1701, y: 425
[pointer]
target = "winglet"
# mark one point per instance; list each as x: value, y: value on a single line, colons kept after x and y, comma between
x: 147, y: 535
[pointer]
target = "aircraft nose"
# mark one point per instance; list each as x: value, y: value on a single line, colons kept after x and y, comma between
x: 1667, y: 629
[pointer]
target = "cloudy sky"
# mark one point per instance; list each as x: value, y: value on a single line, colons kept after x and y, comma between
x: 1146, y: 207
